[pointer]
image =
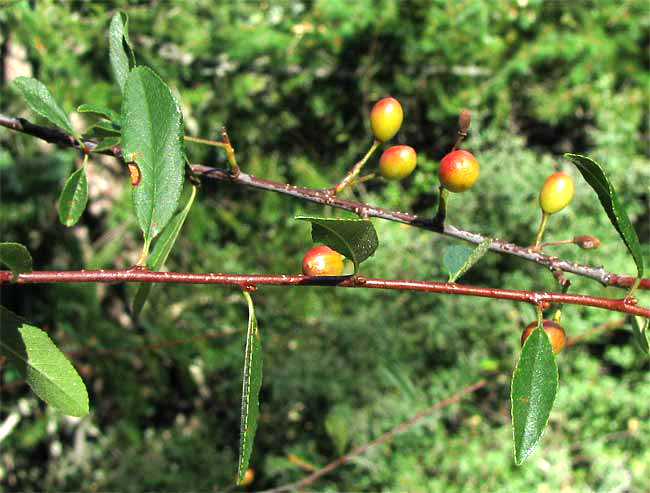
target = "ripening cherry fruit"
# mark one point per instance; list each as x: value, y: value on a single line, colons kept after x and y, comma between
x: 397, y: 162
x: 322, y: 261
x: 556, y: 192
x: 386, y: 118
x: 553, y: 330
x: 459, y: 171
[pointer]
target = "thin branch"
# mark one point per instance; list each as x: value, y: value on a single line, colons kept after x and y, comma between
x: 381, y: 440
x: 599, y: 274
x: 251, y: 282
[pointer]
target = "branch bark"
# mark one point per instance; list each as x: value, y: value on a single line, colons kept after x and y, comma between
x: 251, y: 282
x: 325, y: 197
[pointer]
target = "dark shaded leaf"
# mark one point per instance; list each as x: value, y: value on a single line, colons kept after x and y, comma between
x: 47, y: 371
x: 596, y: 177
x: 74, y: 197
x: 101, y: 112
x: 356, y: 239
x: 641, y: 331
x: 250, y: 391
x: 534, y: 386
x: 161, y: 251
x: 16, y: 257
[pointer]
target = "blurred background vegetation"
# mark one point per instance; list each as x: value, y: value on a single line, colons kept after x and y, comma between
x: 294, y: 82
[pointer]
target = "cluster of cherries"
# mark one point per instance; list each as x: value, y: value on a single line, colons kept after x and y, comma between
x: 458, y: 172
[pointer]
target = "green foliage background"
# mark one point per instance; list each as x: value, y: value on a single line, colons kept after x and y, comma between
x: 293, y: 82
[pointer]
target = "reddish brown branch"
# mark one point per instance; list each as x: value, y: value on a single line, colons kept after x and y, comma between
x: 323, y: 197
x: 378, y: 441
x: 250, y: 282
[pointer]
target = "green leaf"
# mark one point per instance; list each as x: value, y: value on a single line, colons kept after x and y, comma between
x: 161, y: 251
x: 103, y: 129
x: 101, y: 112
x: 74, y: 197
x: 356, y: 239
x: 16, y: 257
x: 120, y: 51
x: 40, y: 100
x: 107, y: 143
x: 152, y: 137
x: 534, y: 386
x: 594, y: 175
x: 46, y: 370
x: 250, y: 391
x: 641, y: 331
x: 337, y: 426
x: 458, y: 259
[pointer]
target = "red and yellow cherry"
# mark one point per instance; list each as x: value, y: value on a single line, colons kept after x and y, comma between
x: 458, y: 171
x: 386, y: 118
x: 556, y: 193
x: 397, y: 162
x: 322, y: 261
x: 553, y: 330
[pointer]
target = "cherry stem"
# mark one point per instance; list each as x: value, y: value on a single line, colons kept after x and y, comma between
x: 540, y: 233
x: 439, y: 219
x: 361, y: 179
x: 356, y: 169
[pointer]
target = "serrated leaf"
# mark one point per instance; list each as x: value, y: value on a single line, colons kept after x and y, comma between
x: 356, y: 239
x: 250, y: 390
x: 161, y: 251
x: 45, y: 369
x: 39, y: 99
x: 120, y: 51
x: 534, y: 386
x: 100, y: 111
x: 107, y: 143
x: 641, y: 331
x: 594, y: 174
x: 16, y: 257
x: 152, y: 137
x: 74, y: 197
x: 458, y: 259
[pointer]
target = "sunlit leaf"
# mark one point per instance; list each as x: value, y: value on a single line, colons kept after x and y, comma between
x: 250, y: 391
x: 45, y: 369
x: 39, y: 99
x: 120, y: 51
x: 152, y: 137
x: 534, y: 386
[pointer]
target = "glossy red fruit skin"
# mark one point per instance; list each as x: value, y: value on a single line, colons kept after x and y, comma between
x: 556, y: 193
x: 322, y: 261
x: 386, y: 118
x: 553, y: 330
x: 397, y: 162
x: 458, y: 171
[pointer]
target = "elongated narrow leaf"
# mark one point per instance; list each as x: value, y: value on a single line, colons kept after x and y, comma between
x: 47, y: 371
x: 641, y: 331
x: 74, y: 197
x: 152, y: 138
x: 594, y: 174
x: 534, y: 386
x: 39, y: 99
x: 120, y: 51
x: 161, y: 251
x: 354, y: 238
x: 250, y: 391
x: 458, y: 259
x: 100, y: 111
x: 16, y: 257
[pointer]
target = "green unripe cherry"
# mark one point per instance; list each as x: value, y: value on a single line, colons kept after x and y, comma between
x: 322, y: 261
x: 397, y: 162
x: 556, y: 193
x: 386, y: 118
